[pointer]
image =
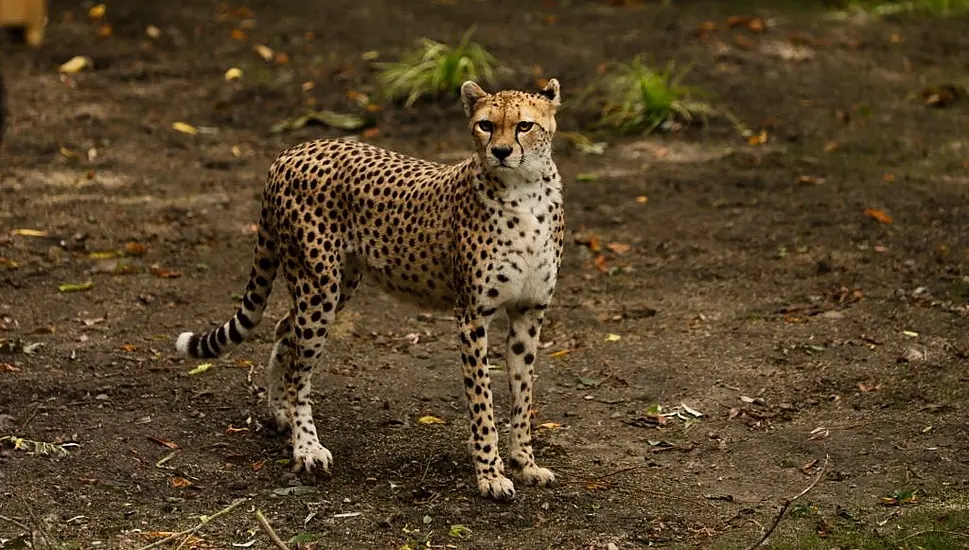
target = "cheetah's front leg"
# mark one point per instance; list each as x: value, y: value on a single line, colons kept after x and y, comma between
x: 523, y: 334
x: 477, y: 384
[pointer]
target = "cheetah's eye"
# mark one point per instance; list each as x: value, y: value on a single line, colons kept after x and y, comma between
x: 486, y: 126
x: 525, y: 126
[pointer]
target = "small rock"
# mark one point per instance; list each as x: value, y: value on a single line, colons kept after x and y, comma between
x: 913, y: 355
x: 612, y: 546
x: 101, y: 397
x: 833, y: 314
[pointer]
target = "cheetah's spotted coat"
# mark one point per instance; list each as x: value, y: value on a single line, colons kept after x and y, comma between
x: 477, y: 237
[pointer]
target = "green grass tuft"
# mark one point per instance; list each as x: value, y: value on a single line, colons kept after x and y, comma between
x: 433, y: 69
x: 639, y: 99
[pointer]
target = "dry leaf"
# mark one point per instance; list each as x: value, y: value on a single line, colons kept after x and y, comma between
x: 888, y: 178
x: 7, y: 367
x: 164, y: 273
x: 642, y: 199
x: 96, y: 12
x: 200, y: 369
x: 76, y: 287
x: 134, y: 248
x: 618, y: 248
x: 758, y: 139
x: 29, y: 232
x: 753, y: 24
x: 184, y: 128
x: 233, y: 430
x: 562, y: 352
x: 868, y: 387
x: 104, y: 31
x: 128, y: 347
x: 233, y: 74
x: 370, y: 133
x: 613, y: 337
x: 430, y: 420
x: 550, y: 426
x: 153, y: 32
x: 256, y: 466
x: 590, y: 241
x: 878, y: 215
x: 282, y: 58
x: 239, y: 34
x: 264, y: 52
x: 76, y: 64
x: 831, y: 146
x: 180, y: 482
x: 600, y: 263
x: 743, y: 42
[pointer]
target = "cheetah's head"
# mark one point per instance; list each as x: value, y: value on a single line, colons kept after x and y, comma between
x: 512, y: 130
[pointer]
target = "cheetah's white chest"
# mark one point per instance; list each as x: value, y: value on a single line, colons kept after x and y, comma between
x: 527, y: 257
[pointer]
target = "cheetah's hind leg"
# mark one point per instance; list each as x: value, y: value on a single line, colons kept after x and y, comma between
x: 279, y: 359
x: 278, y: 366
x: 320, y: 291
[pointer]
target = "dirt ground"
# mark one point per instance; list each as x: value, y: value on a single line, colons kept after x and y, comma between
x: 756, y: 289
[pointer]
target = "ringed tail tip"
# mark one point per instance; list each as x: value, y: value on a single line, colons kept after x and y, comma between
x: 183, y: 342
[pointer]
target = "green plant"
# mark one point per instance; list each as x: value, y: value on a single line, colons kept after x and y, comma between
x: 433, y: 68
x: 942, y: 8
x: 638, y: 98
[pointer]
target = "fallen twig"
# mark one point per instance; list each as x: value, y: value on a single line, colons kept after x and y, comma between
x: 33, y: 519
x: 264, y: 523
x: 202, y: 523
x: 33, y: 414
x: 787, y: 504
x: 15, y: 523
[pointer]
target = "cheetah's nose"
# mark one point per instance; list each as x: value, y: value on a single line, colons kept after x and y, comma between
x: 501, y: 153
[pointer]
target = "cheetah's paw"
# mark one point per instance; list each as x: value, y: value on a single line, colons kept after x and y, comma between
x: 498, y: 487
x: 312, y: 456
x: 533, y: 475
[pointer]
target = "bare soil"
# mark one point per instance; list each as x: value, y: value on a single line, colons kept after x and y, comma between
x: 756, y: 290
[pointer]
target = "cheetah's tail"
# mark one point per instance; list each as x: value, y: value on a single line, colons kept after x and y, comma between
x: 220, y: 340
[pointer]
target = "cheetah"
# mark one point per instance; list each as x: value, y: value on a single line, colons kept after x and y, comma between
x: 474, y: 238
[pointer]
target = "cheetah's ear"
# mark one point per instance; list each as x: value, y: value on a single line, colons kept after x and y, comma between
x: 552, y: 93
x: 471, y: 93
